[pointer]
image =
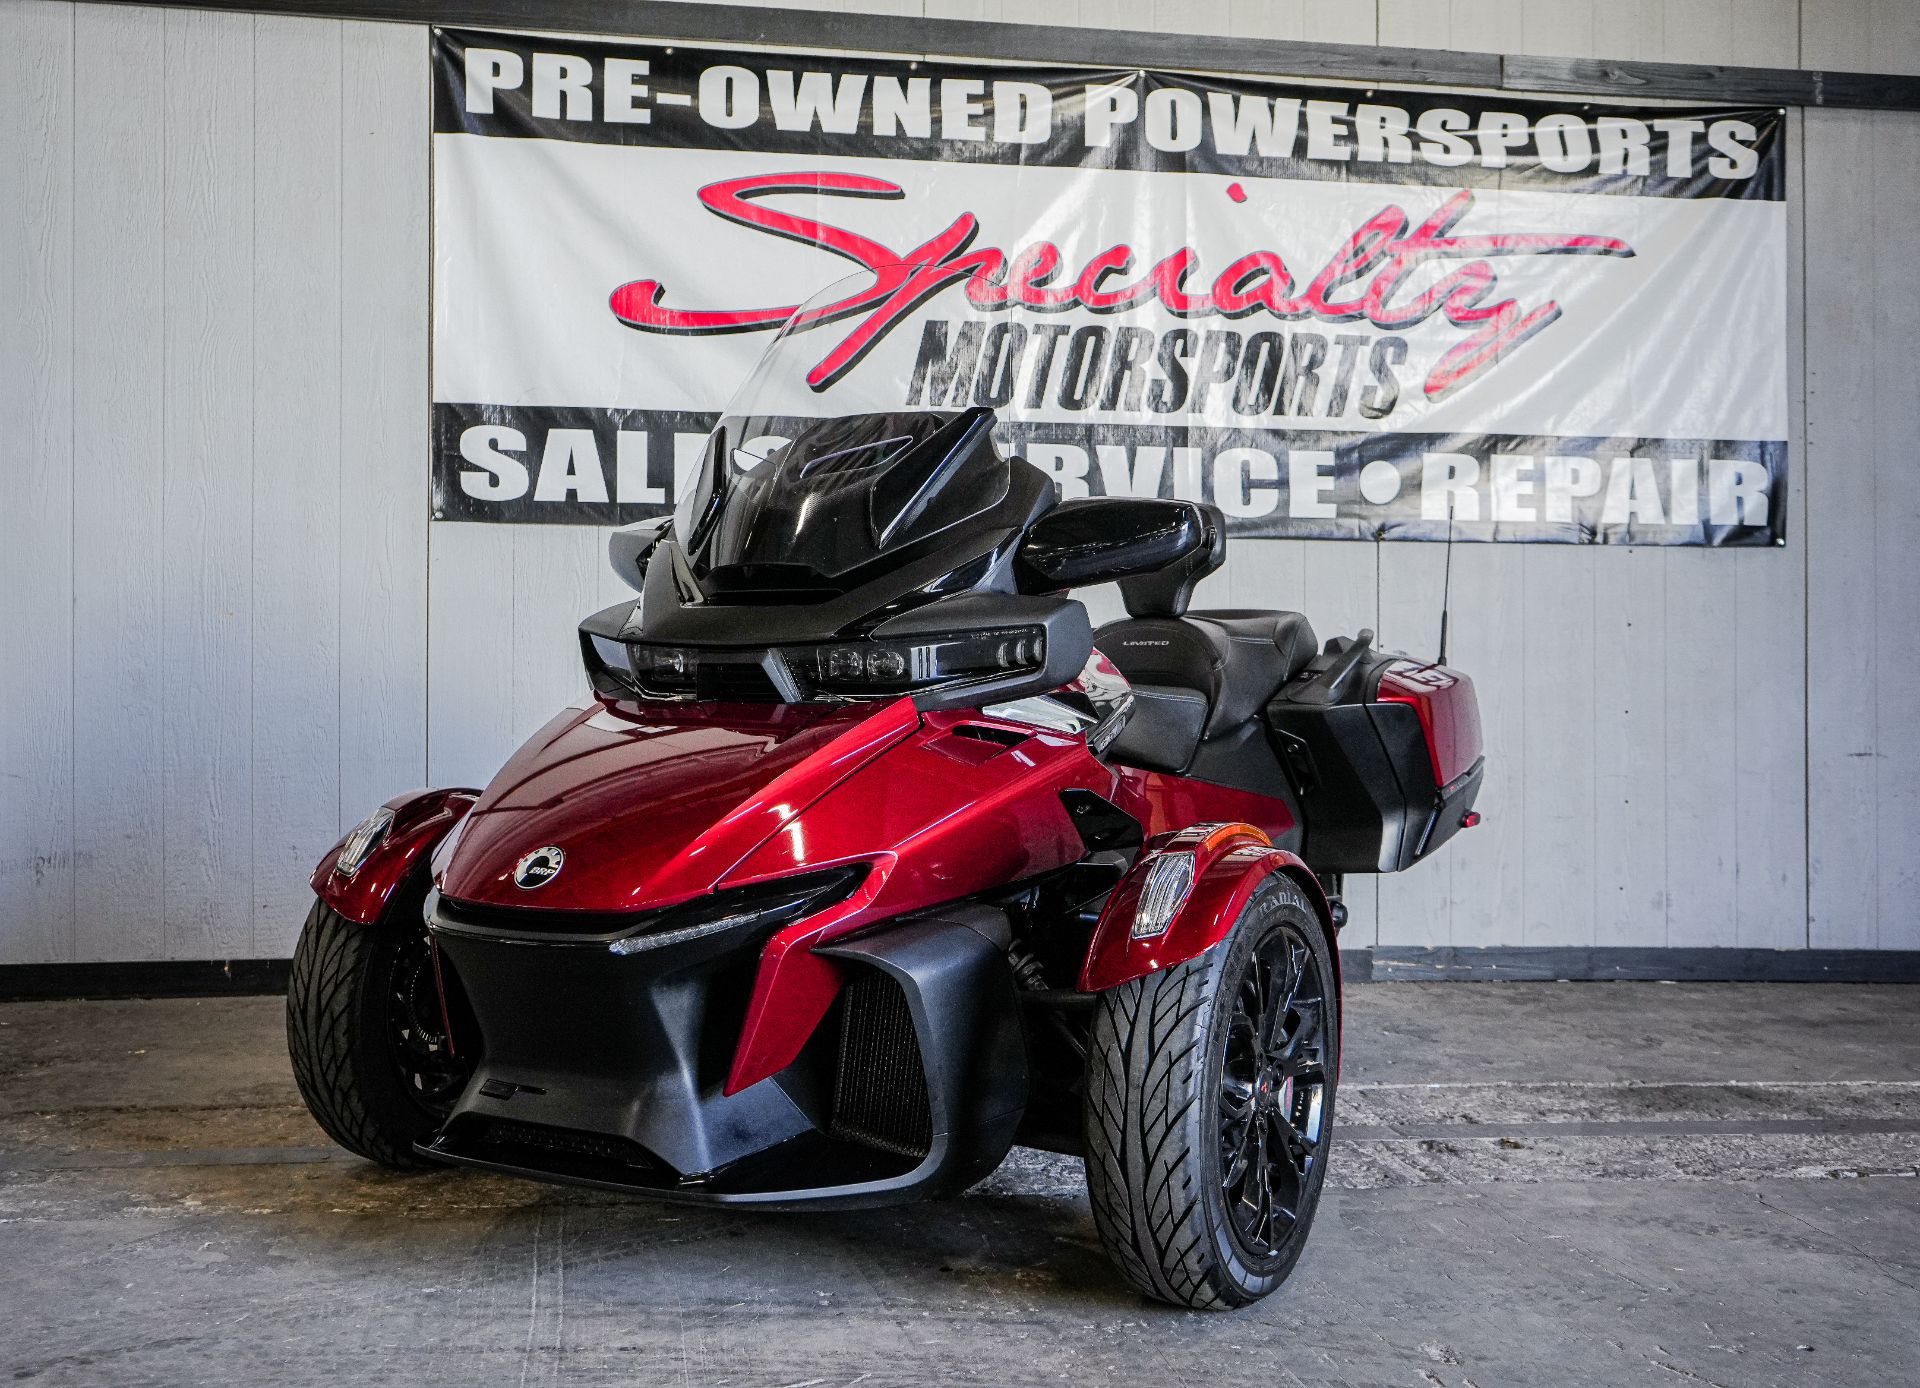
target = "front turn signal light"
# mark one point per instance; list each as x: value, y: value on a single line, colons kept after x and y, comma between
x: 1169, y: 881
x: 367, y: 835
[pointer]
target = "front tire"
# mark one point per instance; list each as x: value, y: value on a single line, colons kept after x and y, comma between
x: 1210, y: 1106
x: 366, y: 1034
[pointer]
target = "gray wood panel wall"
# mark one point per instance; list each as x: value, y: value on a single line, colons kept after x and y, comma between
x: 228, y: 629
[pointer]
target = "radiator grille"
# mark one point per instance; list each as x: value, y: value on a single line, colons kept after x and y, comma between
x: 880, y: 1087
x: 503, y: 1133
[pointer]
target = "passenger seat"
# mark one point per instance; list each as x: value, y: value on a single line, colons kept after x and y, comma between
x: 1195, y: 675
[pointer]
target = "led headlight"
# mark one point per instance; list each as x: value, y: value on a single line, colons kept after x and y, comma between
x: 669, y: 670
x: 1168, y: 882
x: 660, y: 672
x: 366, y: 836
x: 850, y: 669
x: 854, y: 668
x: 766, y: 905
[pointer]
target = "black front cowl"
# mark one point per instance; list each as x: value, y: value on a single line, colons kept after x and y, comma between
x: 630, y: 1047
x: 608, y: 1069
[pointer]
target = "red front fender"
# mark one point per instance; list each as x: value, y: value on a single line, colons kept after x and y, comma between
x: 1230, y: 863
x: 421, y: 818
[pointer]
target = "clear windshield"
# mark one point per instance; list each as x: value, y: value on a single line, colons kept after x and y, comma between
x: 822, y: 462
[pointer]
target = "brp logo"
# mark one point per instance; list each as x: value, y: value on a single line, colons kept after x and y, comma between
x: 538, y: 868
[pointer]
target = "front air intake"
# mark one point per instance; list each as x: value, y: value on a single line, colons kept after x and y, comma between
x: 880, y: 1084
x: 566, y: 1150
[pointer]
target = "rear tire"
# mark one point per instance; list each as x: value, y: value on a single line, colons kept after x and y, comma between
x: 1207, y: 1138
x: 365, y: 1035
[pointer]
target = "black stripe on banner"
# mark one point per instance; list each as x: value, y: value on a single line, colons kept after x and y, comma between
x: 856, y: 107
x: 583, y: 466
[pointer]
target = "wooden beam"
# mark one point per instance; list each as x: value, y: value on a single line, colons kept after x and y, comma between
x: 1722, y: 86
x: 1119, y: 48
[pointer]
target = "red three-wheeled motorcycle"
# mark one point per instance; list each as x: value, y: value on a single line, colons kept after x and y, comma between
x: 868, y: 858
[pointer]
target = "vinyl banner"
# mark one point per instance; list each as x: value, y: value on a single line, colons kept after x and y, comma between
x: 1335, y: 313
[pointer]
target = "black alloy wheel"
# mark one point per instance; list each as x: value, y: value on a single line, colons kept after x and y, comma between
x: 1209, y: 1107
x: 1273, y: 1092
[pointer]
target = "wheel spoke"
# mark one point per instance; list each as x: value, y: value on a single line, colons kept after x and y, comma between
x: 1296, y: 1166
x: 1240, y: 1158
x: 1236, y: 1099
x: 1243, y: 1041
x: 1253, y: 999
x: 1298, y: 1149
x: 1271, y: 1210
x: 1279, y: 1000
x: 1263, y: 1178
x: 1300, y: 1054
x: 1296, y: 973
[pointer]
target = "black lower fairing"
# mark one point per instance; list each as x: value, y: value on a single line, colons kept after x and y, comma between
x: 606, y: 1070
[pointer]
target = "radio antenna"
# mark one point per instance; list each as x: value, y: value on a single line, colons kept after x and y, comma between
x: 1446, y: 585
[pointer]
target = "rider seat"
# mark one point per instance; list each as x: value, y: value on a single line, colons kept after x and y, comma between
x: 1195, y: 674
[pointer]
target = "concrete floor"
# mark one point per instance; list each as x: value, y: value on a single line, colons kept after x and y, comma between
x: 1542, y: 1184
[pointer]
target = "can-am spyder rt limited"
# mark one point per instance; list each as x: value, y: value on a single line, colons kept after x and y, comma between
x: 868, y: 859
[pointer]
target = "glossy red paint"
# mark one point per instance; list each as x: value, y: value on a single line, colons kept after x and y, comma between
x: 654, y: 803
x: 1230, y: 863
x: 959, y: 813
x: 421, y: 819
x: 1164, y: 803
x: 1449, y: 713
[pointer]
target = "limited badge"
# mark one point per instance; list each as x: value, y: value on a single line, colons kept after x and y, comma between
x: 538, y: 868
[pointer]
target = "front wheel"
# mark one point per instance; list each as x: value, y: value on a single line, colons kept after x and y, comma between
x: 368, y: 1034
x: 1209, y: 1109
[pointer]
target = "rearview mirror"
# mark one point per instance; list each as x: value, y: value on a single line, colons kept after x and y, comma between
x: 630, y: 545
x: 1099, y: 539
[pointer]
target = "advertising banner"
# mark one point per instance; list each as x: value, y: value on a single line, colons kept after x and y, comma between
x: 1333, y: 312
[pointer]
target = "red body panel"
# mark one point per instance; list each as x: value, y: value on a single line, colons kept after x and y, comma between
x: 655, y: 803
x: 957, y: 816
x: 1230, y: 863
x: 421, y: 819
x: 1164, y: 803
x: 1449, y: 714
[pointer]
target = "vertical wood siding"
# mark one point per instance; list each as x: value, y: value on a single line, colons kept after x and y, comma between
x: 229, y: 629
x: 383, y: 492
x: 213, y: 537
x: 119, y: 540
x: 1862, y: 411
x: 37, y: 365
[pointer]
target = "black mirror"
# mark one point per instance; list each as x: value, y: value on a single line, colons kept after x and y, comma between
x: 1099, y: 539
x: 629, y: 547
